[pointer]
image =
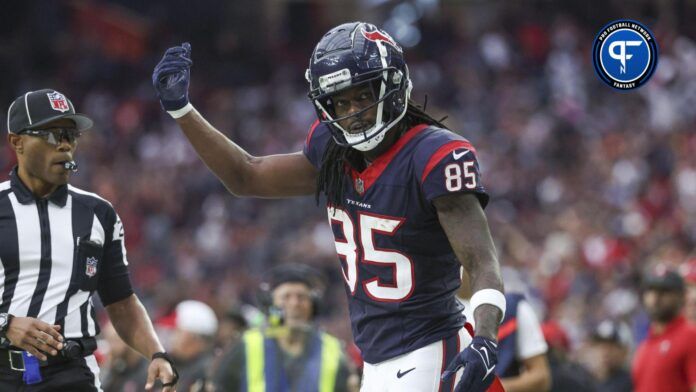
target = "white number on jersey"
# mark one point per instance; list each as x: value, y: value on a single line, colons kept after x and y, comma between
x: 346, y: 249
x: 453, y: 176
x: 402, y: 287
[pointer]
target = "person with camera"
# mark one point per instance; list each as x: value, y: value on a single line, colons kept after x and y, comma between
x: 291, y: 354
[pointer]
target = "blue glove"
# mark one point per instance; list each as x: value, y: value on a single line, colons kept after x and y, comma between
x: 172, y: 75
x: 479, y: 360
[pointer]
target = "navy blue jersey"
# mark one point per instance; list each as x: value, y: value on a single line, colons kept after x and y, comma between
x: 400, y: 270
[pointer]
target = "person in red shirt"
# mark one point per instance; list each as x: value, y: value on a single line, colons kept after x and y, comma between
x: 666, y: 359
x: 688, y: 271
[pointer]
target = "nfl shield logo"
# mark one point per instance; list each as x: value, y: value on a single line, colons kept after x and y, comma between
x: 58, y: 101
x: 91, y: 269
x: 359, y: 185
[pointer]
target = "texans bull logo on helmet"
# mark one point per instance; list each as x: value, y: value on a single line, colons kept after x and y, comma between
x: 377, y: 35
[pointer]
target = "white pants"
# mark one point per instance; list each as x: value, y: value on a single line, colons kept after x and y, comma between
x: 417, y: 371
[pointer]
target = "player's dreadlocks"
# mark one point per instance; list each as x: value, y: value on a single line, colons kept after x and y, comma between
x: 333, y: 169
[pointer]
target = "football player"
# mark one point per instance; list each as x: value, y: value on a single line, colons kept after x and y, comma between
x: 404, y: 199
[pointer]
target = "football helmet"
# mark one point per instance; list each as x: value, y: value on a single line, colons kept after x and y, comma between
x: 351, y: 55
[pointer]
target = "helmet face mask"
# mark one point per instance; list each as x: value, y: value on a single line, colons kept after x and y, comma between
x: 349, y: 57
x: 333, y: 105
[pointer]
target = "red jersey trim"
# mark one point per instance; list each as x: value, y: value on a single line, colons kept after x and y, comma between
x: 469, y: 328
x: 497, y: 386
x: 372, y: 173
x: 444, y: 362
x: 507, y: 329
x: 311, y: 132
x: 442, y: 152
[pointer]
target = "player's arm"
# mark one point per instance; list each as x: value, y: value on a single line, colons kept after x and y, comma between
x: 466, y: 226
x: 242, y: 173
x: 451, y: 181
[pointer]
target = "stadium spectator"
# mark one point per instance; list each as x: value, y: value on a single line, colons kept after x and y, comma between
x: 689, y: 274
x: 232, y: 326
x: 192, y: 343
x: 666, y: 359
x: 566, y: 375
x: 610, y: 342
x: 125, y: 369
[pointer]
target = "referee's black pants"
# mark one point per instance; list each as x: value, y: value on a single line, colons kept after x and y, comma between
x: 72, y: 376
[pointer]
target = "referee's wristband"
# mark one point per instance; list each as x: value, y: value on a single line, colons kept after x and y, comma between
x: 181, y: 112
x: 166, y: 357
x: 490, y: 297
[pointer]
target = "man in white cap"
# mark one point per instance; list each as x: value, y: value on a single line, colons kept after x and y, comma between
x: 193, y: 341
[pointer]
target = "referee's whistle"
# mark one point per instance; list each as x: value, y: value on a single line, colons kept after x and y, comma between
x: 70, y: 165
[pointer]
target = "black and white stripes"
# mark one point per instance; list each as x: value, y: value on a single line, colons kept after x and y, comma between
x: 41, y: 271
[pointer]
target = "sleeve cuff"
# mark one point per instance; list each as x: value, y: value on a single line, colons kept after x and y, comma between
x: 181, y: 112
x: 115, y: 289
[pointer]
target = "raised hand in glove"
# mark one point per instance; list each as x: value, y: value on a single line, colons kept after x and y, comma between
x: 171, y: 77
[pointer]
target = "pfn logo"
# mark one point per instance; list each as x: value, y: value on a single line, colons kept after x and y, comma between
x: 621, y: 55
x: 625, y: 54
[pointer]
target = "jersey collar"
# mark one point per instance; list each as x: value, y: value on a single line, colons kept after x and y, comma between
x: 367, y: 177
x: 59, y: 197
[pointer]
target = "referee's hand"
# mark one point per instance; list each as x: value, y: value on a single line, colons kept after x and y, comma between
x: 162, y: 370
x: 35, y: 336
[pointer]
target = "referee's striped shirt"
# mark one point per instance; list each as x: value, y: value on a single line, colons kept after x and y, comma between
x: 56, y: 252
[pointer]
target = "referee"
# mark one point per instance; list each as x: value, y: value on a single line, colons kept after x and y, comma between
x: 58, y: 245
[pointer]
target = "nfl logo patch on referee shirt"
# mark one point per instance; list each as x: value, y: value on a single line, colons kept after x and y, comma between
x: 58, y: 101
x: 91, y: 268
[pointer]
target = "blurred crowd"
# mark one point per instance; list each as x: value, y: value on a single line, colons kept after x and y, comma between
x: 589, y: 186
